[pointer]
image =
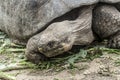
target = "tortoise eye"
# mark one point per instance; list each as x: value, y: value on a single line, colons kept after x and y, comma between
x: 51, y: 44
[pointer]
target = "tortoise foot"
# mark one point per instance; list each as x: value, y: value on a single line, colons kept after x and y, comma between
x: 114, y: 42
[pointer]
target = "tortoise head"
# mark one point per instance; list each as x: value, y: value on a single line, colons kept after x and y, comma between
x: 55, y: 41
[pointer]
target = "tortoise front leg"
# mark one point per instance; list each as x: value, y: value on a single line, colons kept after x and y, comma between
x: 106, y: 24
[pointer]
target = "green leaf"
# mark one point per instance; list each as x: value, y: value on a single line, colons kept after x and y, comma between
x: 74, y: 58
x: 83, y: 53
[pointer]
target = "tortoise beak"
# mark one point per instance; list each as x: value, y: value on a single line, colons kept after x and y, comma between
x: 40, y: 49
x: 66, y: 46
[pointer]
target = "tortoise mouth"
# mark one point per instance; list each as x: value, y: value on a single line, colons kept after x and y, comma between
x: 51, y: 52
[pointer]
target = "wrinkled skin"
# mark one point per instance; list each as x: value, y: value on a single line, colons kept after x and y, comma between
x: 33, y: 23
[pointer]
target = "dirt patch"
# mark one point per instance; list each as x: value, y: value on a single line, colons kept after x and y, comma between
x: 103, y: 68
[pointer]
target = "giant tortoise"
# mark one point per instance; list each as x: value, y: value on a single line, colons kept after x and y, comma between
x: 51, y: 27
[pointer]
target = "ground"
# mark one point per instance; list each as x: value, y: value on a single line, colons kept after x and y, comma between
x: 93, y: 63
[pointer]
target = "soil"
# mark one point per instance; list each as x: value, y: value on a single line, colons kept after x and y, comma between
x: 105, y: 67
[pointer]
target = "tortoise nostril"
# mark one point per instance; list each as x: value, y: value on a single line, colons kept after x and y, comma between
x: 51, y: 44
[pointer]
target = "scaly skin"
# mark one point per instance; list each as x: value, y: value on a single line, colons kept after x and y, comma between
x: 106, y: 24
